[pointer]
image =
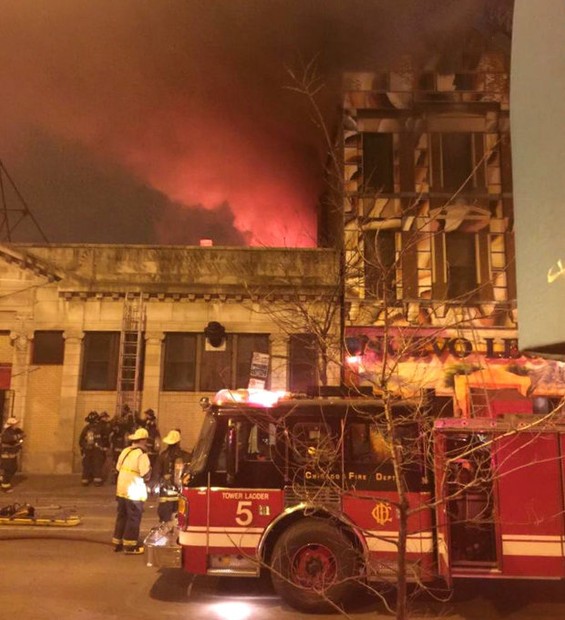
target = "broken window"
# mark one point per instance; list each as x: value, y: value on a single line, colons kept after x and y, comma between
x: 461, y: 265
x: 380, y: 263
x: 378, y: 165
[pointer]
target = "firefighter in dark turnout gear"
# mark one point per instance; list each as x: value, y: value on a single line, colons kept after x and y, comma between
x: 92, y: 450
x: 105, y: 429
x: 149, y: 422
x: 122, y: 425
x: 10, y: 446
x: 167, y: 474
x: 105, y: 437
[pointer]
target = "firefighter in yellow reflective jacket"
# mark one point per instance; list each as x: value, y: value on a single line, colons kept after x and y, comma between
x: 133, y: 469
x: 167, y: 475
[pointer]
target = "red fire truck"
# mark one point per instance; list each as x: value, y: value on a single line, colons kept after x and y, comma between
x: 306, y: 488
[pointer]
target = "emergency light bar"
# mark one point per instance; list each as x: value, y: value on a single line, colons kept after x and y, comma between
x: 251, y: 397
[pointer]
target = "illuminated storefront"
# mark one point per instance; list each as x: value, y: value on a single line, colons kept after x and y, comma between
x: 476, y: 370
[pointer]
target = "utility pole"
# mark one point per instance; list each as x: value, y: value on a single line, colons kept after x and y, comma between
x: 12, y: 215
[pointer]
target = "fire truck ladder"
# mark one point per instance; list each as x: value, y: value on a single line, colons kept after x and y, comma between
x: 129, y: 364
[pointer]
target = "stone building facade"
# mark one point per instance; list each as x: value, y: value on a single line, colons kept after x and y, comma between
x: 61, y: 317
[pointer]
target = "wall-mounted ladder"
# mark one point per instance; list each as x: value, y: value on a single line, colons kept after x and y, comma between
x: 480, y: 405
x: 479, y: 402
x: 131, y: 352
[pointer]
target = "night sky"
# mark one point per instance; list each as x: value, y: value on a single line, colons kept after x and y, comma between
x: 167, y: 121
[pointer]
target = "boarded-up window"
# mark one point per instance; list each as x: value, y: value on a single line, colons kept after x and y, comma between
x: 48, y: 347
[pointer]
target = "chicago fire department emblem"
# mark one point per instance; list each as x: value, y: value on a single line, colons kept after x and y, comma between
x: 382, y: 513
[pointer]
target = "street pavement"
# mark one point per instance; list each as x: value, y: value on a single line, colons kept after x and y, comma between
x: 72, y: 573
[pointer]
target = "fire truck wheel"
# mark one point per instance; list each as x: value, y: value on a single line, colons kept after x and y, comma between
x: 314, y: 565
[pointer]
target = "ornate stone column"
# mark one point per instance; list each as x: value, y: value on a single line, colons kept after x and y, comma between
x: 65, y: 455
x: 152, y: 370
x: 20, y: 341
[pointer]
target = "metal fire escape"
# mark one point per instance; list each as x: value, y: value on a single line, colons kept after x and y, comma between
x: 131, y: 352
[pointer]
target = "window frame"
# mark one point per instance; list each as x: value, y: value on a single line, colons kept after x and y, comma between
x: 458, y: 182
x: 301, y: 373
x: 230, y: 357
x: 483, y: 290
x: 474, y: 175
x: 88, y: 382
x: 173, y: 369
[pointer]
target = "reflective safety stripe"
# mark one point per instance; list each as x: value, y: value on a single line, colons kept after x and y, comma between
x: 250, y: 537
x: 221, y: 537
x: 422, y: 542
x: 133, y: 500
x: 533, y: 546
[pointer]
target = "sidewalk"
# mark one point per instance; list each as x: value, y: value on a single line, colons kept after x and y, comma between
x: 56, y: 489
x: 96, y: 506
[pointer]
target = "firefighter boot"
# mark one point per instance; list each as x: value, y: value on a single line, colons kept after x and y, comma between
x: 135, y: 550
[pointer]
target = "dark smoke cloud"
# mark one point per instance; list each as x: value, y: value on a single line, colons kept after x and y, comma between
x: 141, y: 121
x: 87, y: 193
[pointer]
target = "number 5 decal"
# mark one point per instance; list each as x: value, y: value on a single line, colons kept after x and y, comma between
x: 244, y: 516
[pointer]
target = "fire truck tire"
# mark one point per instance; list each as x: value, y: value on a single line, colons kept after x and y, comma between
x: 314, y: 565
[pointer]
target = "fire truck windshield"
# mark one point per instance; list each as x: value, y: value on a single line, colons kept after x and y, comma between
x: 203, y: 445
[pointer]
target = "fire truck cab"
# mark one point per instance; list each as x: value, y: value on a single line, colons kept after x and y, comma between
x: 306, y: 488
